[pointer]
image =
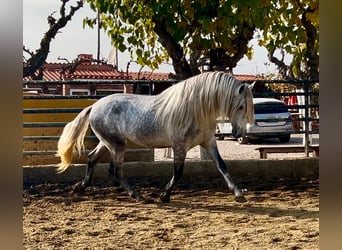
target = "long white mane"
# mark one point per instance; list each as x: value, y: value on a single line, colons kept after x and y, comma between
x: 198, y: 100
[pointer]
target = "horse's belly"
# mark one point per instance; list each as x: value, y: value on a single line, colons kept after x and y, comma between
x: 150, y: 141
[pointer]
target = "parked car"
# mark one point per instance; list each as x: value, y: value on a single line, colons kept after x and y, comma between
x: 272, y: 120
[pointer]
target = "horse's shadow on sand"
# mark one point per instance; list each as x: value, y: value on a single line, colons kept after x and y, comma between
x: 248, y: 210
x: 195, y: 199
x: 199, y: 202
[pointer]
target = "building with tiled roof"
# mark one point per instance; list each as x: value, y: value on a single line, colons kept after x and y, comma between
x: 94, y: 74
x: 84, y: 68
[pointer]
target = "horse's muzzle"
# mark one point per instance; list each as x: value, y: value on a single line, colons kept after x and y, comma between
x: 238, y: 132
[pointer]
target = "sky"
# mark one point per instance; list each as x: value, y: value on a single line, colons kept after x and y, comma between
x: 74, y: 39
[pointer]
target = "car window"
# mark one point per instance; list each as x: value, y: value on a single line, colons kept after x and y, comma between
x: 265, y: 108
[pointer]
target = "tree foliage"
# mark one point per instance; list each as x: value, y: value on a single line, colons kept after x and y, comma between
x: 292, y: 26
x: 201, y: 33
x: 193, y: 33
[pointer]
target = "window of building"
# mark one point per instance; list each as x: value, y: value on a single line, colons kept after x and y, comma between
x: 79, y: 92
x: 108, y: 91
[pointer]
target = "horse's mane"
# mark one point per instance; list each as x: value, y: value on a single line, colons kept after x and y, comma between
x: 197, y: 100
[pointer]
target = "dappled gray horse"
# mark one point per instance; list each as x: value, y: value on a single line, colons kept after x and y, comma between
x: 182, y: 117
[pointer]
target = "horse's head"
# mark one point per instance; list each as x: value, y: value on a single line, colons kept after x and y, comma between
x: 242, y: 111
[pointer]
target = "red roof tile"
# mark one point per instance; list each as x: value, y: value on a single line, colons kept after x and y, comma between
x: 58, y: 71
x: 247, y: 77
x: 144, y: 75
x: 84, y: 68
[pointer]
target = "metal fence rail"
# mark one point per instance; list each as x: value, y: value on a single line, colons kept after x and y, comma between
x: 306, y: 84
x: 56, y: 125
x: 307, y: 93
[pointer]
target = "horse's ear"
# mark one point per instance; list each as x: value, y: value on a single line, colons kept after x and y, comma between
x: 251, y: 86
x: 242, y: 88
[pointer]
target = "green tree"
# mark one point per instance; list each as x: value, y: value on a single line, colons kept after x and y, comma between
x: 211, y: 33
x: 292, y: 27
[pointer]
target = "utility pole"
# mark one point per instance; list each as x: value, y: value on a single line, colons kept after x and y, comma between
x: 98, y: 37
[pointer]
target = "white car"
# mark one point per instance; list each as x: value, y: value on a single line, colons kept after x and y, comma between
x: 272, y: 119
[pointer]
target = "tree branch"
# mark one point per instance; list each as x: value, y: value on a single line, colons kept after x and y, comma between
x: 220, y: 60
x: 37, y: 60
x: 310, y: 53
x: 176, y: 52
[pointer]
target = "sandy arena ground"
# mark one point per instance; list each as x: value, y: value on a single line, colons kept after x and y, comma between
x: 278, y: 214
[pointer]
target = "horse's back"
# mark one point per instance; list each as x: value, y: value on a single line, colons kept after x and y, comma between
x: 122, y: 105
x: 127, y: 116
x: 121, y: 108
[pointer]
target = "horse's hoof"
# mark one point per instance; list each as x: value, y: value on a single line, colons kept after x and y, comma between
x: 145, y: 201
x: 141, y: 200
x: 240, y: 199
x: 164, y: 198
x: 79, y: 188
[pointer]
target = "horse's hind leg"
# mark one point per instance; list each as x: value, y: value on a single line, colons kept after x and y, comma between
x: 93, y: 157
x: 178, y: 166
x: 117, y: 155
x: 112, y: 170
x: 212, y: 150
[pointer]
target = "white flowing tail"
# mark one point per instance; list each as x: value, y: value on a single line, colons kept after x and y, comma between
x: 71, y: 140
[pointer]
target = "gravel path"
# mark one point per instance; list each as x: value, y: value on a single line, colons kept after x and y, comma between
x: 230, y: 149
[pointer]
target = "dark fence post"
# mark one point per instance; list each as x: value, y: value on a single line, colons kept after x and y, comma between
x: 307, y: 118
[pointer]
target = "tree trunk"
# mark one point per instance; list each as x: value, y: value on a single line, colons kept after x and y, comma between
x: 310, y: 53
x: 175, y: 51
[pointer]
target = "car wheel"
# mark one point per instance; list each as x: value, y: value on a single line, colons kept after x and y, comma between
x: 285, y: 139
x: 243, y: 140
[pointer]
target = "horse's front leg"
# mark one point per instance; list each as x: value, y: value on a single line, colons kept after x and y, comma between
x: 178, y: 166
x: 212, y: 150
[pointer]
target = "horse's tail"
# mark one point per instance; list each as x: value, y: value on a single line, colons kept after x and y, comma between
x: 71, y: 140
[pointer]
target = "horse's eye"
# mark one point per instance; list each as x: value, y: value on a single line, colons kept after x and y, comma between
x: 241, y: 108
